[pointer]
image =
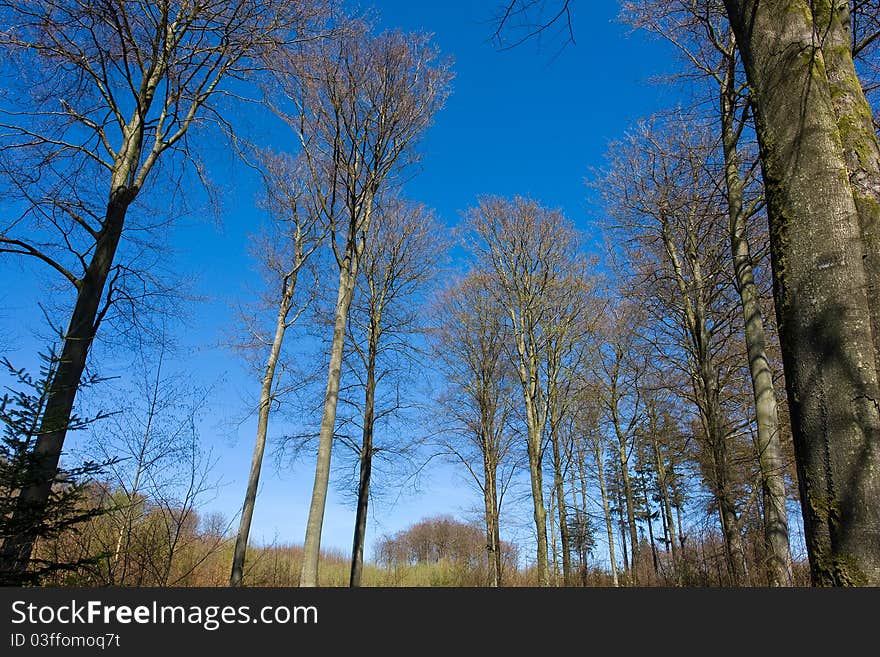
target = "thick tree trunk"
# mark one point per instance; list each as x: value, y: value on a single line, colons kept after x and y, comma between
x: 33, y: 498
x: 861, y: 150
x: 766, y: 416
x: 250, y: 497
x: 315, y: 523
x: 820, y: 289
x: 366, y: 459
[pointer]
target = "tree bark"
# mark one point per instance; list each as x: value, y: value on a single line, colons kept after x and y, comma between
x: 861, y: 151
x: 820, y: 289
x: 490, y: 502
x: 663, y: 489
x: 558, y: 484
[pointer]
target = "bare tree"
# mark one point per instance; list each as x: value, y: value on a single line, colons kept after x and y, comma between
x: 700, y: 33
x: 159, y: 473
x: 401, y: 256
x: 618, y: 368
x: 470, y: 338
x: 296, y: 232
x: 110, y: 89
x: 667, y: 212
x: 531, y: 254
x: 360, y: 105
x: 590, y: 442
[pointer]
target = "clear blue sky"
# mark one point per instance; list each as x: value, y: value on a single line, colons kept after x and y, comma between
x: 530, y: 121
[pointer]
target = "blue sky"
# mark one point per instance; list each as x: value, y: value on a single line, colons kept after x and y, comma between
x: 529, y: 121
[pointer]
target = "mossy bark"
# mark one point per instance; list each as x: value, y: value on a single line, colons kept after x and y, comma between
x: 861, y: 150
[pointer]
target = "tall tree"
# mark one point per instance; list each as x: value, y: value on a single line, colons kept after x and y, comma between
x: 618, y: 369
x: 296, y: 232
x: 822, y: 285
x: 529, y: 252
x: 400, y: 259
x: 470, y: 339
x: 667, y: 214
x: 360, y: 105
x: 111, y: 88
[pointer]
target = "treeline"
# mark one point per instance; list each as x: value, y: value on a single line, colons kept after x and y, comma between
x: 630, y: 398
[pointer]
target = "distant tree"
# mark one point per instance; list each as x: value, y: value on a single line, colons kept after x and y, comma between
x: 666, y: 211
x: 437, y: 540
x: 531, y: 257
x: 469, y: 342
x: 159, y: 476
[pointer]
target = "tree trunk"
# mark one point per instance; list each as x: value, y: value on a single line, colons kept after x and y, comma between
x: 663, y: 489
x: 558, y: 481
x: 622, y: 519
x: 33, y: 498
x: 312, y: 547
x: 540, y: 515
x: 766, y: 416
x: 629, y: 503
x: 651, y: 530
x: 820, y: 290
x: 366, y: 459
x: 858, y: 138
x: 490, y: 501
x: 250, y: 497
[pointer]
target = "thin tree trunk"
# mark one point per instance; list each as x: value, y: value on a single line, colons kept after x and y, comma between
x: 528, y: 374
x: 558, y: 484
x: 312, y: 547
x: 766, y: 415
x: 651, y: 531
x: 669, y: 523
x: 490, y: 501
x: 623, y: 460
x: 820, y: 288
x: 553, y: 553
x: 32, y: 500
x: 366, y: 458
x: 250, y: 497
x: 606, y: 510
x: 622, y: 519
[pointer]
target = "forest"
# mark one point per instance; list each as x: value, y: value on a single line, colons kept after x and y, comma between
x: 680, y: 392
